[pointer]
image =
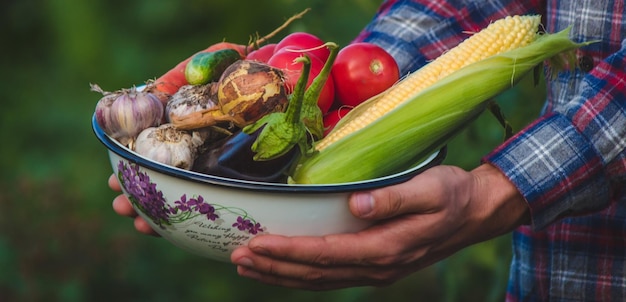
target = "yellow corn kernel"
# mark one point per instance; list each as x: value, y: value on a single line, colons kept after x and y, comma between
x: 500, y: 36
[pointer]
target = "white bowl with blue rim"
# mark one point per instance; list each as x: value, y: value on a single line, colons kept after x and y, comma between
x: 210, y: 216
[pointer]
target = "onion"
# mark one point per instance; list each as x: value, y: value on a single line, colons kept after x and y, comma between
x: 246, y: 91
x: 125, y: 113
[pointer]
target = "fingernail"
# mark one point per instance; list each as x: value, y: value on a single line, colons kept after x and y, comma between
x: 364, y: 203
x: 244, y: 261
x: 257, y: 245
x: 248, y: 273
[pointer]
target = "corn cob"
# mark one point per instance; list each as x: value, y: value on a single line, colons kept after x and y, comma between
x: 424, y: 118
x: 504, y: 34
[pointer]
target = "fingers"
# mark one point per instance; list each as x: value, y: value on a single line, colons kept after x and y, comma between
x: 143, y: 227
x: 331, y: 250
x: 317, y: 263
x: 315, y: 278
x: 114, y: 184
x: 358, y: 249
x: 122, y: 206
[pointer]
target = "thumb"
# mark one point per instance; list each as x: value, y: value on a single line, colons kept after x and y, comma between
x: 424, y: 193
x: 382, y: 203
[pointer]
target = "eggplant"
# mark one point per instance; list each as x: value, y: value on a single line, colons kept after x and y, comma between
x: 266, y: 149
x: 232, y: 157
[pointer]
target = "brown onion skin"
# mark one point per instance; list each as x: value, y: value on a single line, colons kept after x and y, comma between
x: 249, y: 90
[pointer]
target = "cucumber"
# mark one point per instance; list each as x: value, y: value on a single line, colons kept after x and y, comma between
x: 206, y: 67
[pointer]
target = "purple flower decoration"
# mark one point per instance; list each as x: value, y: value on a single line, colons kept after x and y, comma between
x: 181, y: 205
x: 208, y: 210
x: 256, y: 228
x: 145, y: 196
x: 194, y: 206
x: 143, y: 193
x: 246, y: 225
x: 242, y: 224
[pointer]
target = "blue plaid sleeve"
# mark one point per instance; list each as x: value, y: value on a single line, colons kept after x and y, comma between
x: 570, y: 162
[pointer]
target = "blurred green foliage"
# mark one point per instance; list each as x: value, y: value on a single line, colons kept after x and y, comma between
x: 59, y: 238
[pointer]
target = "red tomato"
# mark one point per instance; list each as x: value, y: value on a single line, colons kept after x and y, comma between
x: 263, y: 54
x: 332, y: 118
x: 362, y: 70
x: 302, y: 40
x: 283, y: 59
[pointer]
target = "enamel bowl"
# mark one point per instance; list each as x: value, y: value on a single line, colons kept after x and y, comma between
x: 211, y: 216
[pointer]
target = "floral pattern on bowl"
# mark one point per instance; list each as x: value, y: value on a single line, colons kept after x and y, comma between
x: 146, y: 198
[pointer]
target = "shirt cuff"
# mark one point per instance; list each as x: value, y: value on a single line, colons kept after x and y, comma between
x: 555, y: 168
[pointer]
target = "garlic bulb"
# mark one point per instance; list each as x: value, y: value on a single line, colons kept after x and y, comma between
x: 125, y: 113
x: 189, y: 99
x: 170, y: 146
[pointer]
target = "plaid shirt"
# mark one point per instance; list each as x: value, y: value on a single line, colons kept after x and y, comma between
x: 570, y: 163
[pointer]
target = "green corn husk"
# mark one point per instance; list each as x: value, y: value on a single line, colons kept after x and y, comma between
x: 429, y: 119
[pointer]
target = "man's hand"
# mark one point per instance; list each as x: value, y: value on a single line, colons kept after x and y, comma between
x: 419, y: 222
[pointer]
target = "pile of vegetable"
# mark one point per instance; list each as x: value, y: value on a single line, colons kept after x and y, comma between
x: 304, y: 110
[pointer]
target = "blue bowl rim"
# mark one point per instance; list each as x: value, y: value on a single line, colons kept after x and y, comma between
x: 435, y: 159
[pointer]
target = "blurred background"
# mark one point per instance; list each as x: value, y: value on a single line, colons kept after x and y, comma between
x: 59, y: 238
